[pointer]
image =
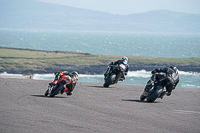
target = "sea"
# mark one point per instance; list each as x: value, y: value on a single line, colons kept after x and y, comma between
x: 166, y: 45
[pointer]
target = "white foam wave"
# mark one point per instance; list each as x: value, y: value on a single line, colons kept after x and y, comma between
x: 190, y: 86
x: 139, y: 73
x: 188, y: 79
x: 85, y: 75
x: 7, y: 74
x: 189, y: 73
x: 49, y: 76
x: 146, y: 74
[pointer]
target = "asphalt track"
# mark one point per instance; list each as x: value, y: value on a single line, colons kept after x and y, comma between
x: 94, y: 109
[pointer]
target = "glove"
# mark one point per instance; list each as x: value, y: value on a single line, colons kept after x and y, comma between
x: 111, y: 63
x: 153, y: 72
x: 56, y: 73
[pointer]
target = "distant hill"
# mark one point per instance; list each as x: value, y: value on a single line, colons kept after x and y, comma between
x: 33, y: 14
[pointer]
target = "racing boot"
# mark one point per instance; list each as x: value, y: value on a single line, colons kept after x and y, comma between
x: 122, y: 78
x: 64, y: 90
x: 169, y: 93
x: 162, y: 95
x: 69, y: 93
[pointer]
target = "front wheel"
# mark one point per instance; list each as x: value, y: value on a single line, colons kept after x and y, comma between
x: 46, y: 93
x: 142, y: 97
x: 53, y: 93
x: 109, y: 80
x: 157, y: 92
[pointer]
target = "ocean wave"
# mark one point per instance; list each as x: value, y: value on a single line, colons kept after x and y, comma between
x: 190, y: 86
x: 189, y: 73
x: 145, y: 74
x: 86, y: 75
x: 49, y: 76
x: 187, y: 79
x: 139, y: 73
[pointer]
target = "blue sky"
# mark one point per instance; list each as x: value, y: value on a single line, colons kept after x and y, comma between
x: 123, y: 7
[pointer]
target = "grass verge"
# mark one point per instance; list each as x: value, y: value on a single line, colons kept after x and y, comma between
x: 11, y: 58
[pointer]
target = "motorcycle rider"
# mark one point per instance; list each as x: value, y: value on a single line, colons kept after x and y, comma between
x: 172, y: 77
x: 72, y: 78
x: 123, y: 61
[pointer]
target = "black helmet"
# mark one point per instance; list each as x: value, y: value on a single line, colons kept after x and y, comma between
x: 174, y: 68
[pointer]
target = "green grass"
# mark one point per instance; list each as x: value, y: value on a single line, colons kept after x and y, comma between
x: 35, y: 59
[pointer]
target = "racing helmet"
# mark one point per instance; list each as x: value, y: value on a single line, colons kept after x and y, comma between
x: 174, y: 68
x: 125, y: 60
x: 75, y: 74
x: 65, y: 72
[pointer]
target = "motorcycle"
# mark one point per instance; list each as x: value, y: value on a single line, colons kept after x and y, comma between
x: 57, y: 86
x: 154, y: 88
x: 114, y: 75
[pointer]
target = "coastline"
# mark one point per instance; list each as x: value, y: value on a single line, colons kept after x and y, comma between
x: 30, y: 61
x: 96, y: 69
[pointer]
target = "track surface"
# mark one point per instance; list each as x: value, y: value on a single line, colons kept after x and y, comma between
x: 94, y: 109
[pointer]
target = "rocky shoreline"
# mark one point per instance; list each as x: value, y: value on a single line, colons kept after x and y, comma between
x: 96, y: 69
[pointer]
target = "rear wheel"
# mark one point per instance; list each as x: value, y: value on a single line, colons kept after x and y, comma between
x: 109, y: 80
x: 53, y: 93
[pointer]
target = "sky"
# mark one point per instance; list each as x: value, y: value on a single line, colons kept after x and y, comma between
x: 124, y: 7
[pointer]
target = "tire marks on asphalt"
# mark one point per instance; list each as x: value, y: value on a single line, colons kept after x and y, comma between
x: 186, y: 112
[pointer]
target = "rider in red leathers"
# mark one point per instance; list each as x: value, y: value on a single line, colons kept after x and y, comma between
x: 72, y: 78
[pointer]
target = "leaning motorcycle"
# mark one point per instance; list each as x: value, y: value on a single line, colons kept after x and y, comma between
x: 114, y: 75
x: 154, y: 88
x: 57, y: 87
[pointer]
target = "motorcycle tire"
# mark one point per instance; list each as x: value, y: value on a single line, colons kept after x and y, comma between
x: 142, y: 97
x: 109, y: 80
x: 60, y: 87
x: 157, y: 92
x: 46, y: 93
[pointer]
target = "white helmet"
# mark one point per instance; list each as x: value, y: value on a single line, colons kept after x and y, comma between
x: 75, y: 74
x: 124, y: 58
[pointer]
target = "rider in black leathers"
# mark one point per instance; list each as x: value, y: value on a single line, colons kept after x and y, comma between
x: 124, y: 61
x: 172, y: 77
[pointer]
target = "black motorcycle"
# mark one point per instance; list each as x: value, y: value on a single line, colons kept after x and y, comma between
x: 114, y: 75
x: 154, y: 88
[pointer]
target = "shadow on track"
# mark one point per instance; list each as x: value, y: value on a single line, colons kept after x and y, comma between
x: 96, y: 86
x: 48, y: 96
x: 139, y: 101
